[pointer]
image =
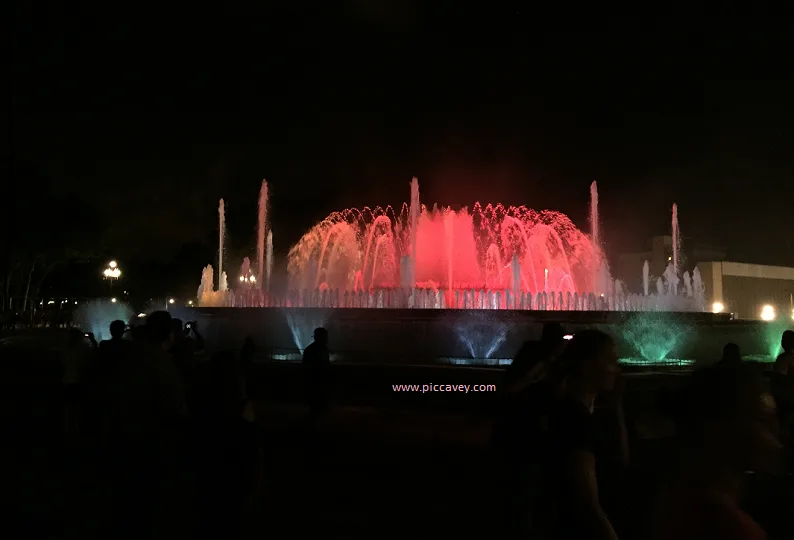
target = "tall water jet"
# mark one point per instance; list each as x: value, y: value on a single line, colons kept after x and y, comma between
x: 449, y: 235
x: 269, y: 259
x: 676, y: 248
x: 594, y: 214
x: 415, y: 211
x: 646, y: 277
x: 676, y: 238
x: 260, y: 234
x: 515, y: 267
x: 221, y: 232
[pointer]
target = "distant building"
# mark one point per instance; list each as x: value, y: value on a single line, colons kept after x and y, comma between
x: 749, y: 291
x: 659, y: 254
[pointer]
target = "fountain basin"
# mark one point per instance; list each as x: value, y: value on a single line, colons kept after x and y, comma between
x: 432, y: 336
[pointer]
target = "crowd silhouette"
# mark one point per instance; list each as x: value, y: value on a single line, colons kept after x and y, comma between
x: 563, y: 434
x: 184, y: 453
x: 180, y: 445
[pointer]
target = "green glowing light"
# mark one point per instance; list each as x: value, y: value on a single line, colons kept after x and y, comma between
x: 764, y: 358
x: 653, y: 335
x: 773, y: 332
x: 667, y: 362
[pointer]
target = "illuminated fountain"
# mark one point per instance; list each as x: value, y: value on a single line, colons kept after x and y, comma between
x: 95, y: 316
x: 440, y: 257
x: 653, y: 337
x: 481, y: 336
x: 771, y: 335
x: 486, y: 257
x: 222, y: 285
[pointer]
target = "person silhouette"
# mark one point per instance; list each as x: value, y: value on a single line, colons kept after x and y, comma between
x: 727, y: 426
x: 116, y: 343
x: 785, y: 361
x: 530, y: 387
x: 317, y: 374
x: 590, y: 365
x: 731, y: 355
x: 534, y: 359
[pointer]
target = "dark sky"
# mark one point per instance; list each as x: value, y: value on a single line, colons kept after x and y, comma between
x: 150, y: 123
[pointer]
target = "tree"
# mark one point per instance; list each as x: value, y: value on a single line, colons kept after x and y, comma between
x: 46, y: 226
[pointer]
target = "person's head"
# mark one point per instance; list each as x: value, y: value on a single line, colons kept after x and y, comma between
x: 787, y: 341
x: 731, y: 353
x: 159, y: 329
x: 590, y: 361
x: 553, y: 337
x: 76, y: 338
x: 138, y: 333
x: 117, y: 329
x: 727, y: 421
x: 178, y: 328
x: 321, y: 336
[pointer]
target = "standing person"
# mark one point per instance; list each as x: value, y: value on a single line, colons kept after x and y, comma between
x: 317, y: 374
x: 785, y: 361
x: 76, y: 359
x: 534, y: 359
x: 531, y: 386
x: 726, y: 427
x: 591, y: 369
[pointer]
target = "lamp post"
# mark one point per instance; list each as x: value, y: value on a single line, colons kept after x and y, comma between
x: 112, y: 272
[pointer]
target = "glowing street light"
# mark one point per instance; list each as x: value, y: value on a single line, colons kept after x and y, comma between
x: 171, y: 300
x: 113, y: 300
x: 112, y: 272
x: 717, y: 307
x: 768, y: 313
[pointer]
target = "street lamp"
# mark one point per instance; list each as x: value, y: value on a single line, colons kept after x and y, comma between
x: 112, y: 272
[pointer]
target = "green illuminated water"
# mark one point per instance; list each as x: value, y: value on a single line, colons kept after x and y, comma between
x: 773, y: 332
x: 667, y: 362
x: 654, y: 335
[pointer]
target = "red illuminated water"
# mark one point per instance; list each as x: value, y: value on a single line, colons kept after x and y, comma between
x: 371, y: 249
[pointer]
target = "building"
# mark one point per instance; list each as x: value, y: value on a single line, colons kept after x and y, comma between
x: 659, y: 254
x: 749, y: 291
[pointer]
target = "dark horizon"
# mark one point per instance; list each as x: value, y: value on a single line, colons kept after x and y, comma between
x: 128, y: 143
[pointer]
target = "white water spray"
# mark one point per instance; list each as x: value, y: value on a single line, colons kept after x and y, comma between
x: 415, y: 210
x: 676, y: 245
x: 269, y: 256
x: 221, y: 232
x: 260, y: 236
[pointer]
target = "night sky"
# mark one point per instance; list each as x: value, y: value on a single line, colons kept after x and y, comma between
x: 125, y: 134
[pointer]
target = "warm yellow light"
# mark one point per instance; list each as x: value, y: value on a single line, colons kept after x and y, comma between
x: 768, y: 313
x: 112, y: 264
x: 252, y: 279
x: 113, y: 300
x: 717, y: 307
x: 190, y: 302
x: 242, y: 278
x: 170, y: 300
